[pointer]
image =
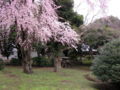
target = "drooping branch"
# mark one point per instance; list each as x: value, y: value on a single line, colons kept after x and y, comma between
x: 44, y: 23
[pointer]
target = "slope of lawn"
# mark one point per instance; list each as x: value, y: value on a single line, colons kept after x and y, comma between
x: 12, y: 78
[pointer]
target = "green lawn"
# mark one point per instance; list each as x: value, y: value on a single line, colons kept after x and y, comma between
x: 12, y: 78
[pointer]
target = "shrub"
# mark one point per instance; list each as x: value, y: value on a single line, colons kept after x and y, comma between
x: 106, y: 66
x: 1, y: 64
x: 87, y: 60
x: 36, y: 61
x: 42, y: 61
x: 15, y: 62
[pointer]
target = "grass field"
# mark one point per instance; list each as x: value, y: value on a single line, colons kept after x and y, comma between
x: 12, y: 78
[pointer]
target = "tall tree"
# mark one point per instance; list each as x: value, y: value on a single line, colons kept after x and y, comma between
x: 35, y: 22
x: 67, y: 13
x: 102, y: 31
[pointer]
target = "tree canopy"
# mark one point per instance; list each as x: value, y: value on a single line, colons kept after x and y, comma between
x: 38, y: 22
x: 67, y: 13
x: 101, y: 31
x: 99, y: 37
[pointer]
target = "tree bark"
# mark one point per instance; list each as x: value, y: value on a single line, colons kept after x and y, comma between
x: 57, y: 64
x: 27, y: 61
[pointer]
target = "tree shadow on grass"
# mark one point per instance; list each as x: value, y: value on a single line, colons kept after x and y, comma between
x: 101, y: 85
x: 105, y: 86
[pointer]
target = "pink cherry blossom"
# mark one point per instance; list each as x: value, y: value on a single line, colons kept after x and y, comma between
x: 38, y: 21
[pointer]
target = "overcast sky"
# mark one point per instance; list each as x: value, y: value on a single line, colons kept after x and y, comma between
x: 81, y: 7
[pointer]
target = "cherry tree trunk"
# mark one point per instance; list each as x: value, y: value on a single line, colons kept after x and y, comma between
x: 27, y: 61
x: 57, y: 64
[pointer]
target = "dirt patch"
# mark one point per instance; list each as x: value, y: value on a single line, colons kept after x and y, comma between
x: 6, y: 72
x: 9, y: 74
x: 88, y: 77
x: 64, y: 74
x: 66, y: 81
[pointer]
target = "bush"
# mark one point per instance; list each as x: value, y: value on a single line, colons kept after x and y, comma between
x: 37, y: 61
x: 1, y: 64
x: 42, y: 62
x: 87, y: 60
x: 106, y: 66
x: 15, y: 62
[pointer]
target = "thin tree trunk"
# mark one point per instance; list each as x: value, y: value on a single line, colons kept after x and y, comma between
x: 57, y: 64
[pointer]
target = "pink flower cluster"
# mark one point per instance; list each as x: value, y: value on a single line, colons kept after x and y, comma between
x: 38, y: 21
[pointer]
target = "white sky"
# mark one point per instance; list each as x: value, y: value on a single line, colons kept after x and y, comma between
x: 81, y: 7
